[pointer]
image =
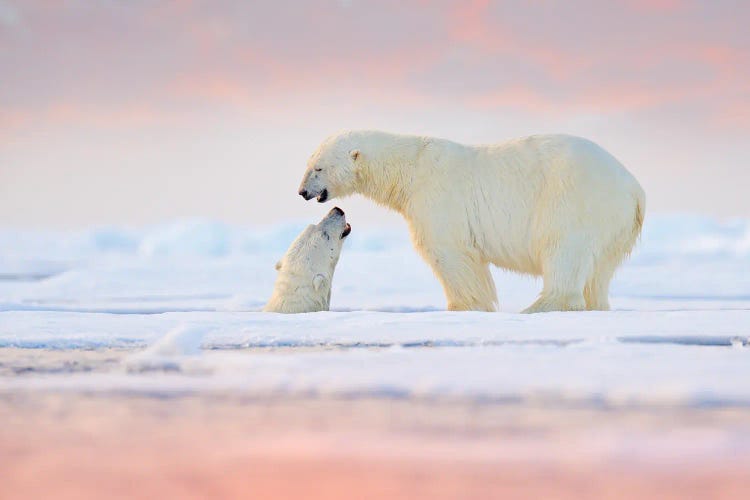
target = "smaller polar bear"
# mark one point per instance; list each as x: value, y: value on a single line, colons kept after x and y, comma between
x: 306, y: 270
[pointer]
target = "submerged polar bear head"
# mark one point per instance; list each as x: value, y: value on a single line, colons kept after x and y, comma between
x: 331, y: 170
x: 306, y: 271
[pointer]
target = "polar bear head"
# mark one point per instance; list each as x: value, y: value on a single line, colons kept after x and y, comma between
x: 331, y: 170
x: 305, y: 273
x: 318, y: 247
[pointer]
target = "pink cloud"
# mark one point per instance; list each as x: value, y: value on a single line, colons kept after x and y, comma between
x: 655, y: 5
x: 542, y: 57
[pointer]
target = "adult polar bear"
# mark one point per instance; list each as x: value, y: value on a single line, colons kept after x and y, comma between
x: 555, y: 206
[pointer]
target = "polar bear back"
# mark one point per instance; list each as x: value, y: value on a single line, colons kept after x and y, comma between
x: 514, y: 199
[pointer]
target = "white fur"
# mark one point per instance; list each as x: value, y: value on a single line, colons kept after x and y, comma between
x: 555, y: 206
x: 305, y: 273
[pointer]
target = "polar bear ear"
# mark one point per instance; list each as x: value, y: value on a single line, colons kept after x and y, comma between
x: 354, y: 153
x: 278, y: 266
x: 319, y: 282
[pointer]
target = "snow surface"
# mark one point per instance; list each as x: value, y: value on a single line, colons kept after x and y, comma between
x: 182, y: 300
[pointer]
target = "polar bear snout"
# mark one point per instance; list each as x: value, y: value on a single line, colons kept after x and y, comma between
x: 307, y: 195
x: 320, y: 194
x: 314, y: 186
x: 336, y: 221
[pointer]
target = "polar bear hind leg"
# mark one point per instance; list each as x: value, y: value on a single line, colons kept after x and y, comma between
x: 596, y: 291
x: 565, y: 271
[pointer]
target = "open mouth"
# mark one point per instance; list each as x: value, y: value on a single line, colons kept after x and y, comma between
x: 347, y: 230
x: 323, y: 196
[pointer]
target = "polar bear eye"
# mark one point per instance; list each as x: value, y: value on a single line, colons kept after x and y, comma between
x: 318, y: 169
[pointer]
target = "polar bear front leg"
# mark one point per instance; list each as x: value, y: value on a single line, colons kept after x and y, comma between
x: 467, y: 282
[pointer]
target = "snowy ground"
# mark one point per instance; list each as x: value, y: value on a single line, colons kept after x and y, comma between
x: 149, y: 343
x: 679, y: 332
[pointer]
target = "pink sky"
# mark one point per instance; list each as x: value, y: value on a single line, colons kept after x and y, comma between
x: 136, y: 112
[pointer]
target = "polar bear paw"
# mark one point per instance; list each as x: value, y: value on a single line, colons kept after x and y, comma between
x: 557, y: 302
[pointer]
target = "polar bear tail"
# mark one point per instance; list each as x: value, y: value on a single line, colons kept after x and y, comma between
x: 640, y: 210
x: 640, y: 214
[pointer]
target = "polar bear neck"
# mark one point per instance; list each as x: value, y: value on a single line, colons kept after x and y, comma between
x: 294, y: 293
x: 388, y: 169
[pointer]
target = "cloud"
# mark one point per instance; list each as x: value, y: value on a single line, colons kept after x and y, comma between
x: 10, y: 17
x: 650, y: 6
x: 119, y: 91
x: 556, y: 57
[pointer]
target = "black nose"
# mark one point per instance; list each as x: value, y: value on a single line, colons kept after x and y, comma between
x: 337, y: 210
x: 303, y: 193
